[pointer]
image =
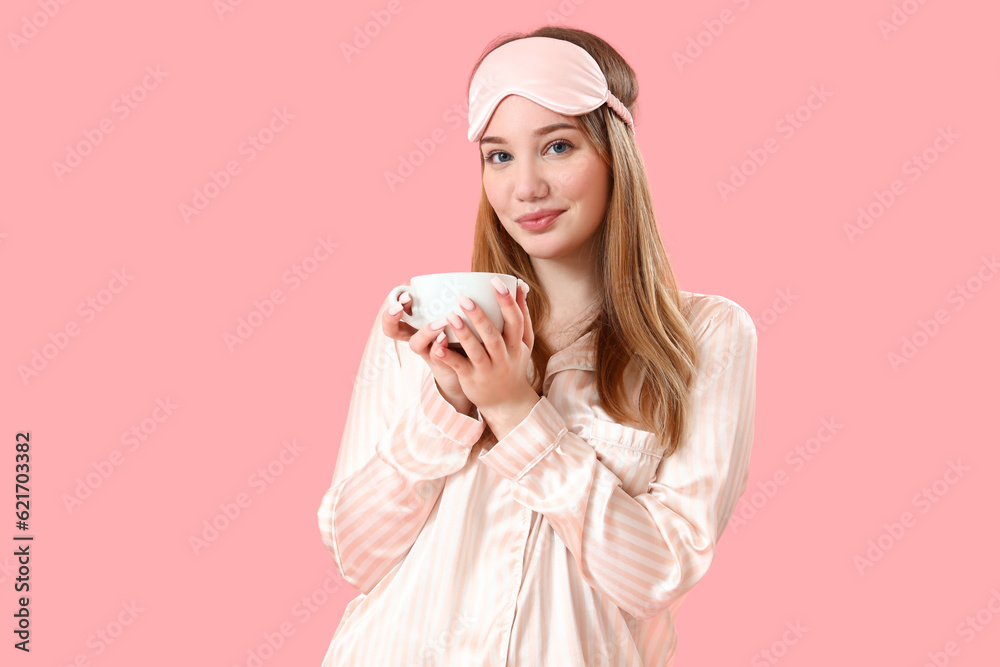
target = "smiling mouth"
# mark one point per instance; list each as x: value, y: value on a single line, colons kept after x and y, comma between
x: 538, y: 224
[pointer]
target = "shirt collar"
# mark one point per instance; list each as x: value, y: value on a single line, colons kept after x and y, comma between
x: 580, y: 354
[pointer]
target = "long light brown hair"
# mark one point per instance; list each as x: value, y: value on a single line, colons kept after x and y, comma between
x: 640, y: 319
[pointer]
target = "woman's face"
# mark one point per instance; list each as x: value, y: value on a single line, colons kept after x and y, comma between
x: 531, y: 166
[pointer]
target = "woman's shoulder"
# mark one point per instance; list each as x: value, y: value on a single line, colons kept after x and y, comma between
x: 701, y: 309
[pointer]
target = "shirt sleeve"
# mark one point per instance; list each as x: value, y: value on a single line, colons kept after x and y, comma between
x: 401, y: 439
x: 643, y: 552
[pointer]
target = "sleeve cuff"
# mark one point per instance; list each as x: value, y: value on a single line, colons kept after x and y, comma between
x: 528, y: 442
x: 456, y: 426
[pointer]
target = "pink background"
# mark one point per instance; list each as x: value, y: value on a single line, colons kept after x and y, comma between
x: 830, y: 311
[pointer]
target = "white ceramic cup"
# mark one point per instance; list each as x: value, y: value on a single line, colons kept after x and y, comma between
x: 436, y: 294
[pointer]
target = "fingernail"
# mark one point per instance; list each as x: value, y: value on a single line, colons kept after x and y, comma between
x: 466, y: 302
x: 524, y: 285
x: 498, y: 284
x: 455, y: 320
x: 395, y: 308
x: 442, y: 337
x: 405, y: 298
x: 439, y: 324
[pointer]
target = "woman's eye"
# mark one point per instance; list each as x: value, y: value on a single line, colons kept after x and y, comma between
x: 489, y: 156
x: 565, y: 148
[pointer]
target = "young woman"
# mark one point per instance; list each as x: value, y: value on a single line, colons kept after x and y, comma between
x: 549, y: 496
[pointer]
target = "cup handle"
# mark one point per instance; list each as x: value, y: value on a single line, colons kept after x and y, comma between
x: 394, y: 296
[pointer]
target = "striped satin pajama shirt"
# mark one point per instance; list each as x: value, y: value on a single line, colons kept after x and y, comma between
x: 571, y: 542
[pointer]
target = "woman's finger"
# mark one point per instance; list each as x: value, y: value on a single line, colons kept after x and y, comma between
x: 441, y: 353
x: 423, y: 338
x: 522, y: 302
x: 513, y: 318
x: 392, y: 319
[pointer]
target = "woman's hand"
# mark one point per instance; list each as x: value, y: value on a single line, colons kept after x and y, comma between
x: 494, y: 374
x: 421, y: 341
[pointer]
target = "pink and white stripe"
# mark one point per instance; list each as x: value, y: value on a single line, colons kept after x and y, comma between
x: 569, y: 542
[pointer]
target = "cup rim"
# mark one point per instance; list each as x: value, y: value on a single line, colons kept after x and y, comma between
x: 462, y: 273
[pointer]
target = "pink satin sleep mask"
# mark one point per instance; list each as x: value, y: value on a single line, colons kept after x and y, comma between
x: 554, y: 73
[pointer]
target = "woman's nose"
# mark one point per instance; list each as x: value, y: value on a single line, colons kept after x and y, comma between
x: 531, y: 182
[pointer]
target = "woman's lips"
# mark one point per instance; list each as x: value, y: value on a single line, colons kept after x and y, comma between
x: 538, y: 224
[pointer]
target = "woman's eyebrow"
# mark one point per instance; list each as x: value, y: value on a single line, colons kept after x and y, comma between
x: 539, y: 132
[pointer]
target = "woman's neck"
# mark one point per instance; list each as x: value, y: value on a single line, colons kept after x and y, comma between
x: 571, y: 285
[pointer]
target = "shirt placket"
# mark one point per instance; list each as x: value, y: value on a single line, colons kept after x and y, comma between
x: 562, y: 360
x: 517, y: 556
